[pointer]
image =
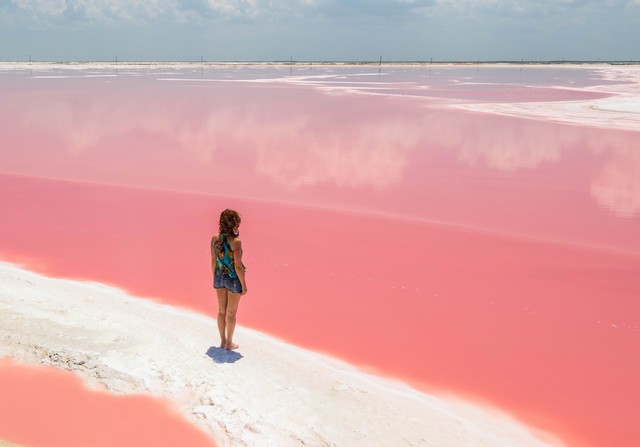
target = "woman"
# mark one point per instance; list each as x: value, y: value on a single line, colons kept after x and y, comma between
x: 228, y: 275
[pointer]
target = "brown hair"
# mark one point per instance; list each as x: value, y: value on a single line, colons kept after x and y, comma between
x: 229, y: 220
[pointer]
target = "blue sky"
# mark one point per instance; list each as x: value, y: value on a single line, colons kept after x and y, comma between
x: 183, y: 30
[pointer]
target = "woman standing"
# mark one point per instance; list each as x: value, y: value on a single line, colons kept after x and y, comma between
x: 228, y: 275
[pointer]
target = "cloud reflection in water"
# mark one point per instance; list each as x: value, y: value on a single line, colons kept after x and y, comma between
x: 617, y: 187
x: 198, y: 138
x: 355, y: 155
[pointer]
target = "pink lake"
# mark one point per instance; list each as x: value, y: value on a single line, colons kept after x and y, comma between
x: 32, y: 414
x: 486, y: 257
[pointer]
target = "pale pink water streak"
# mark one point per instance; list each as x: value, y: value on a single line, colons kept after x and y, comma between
x: 489, y: 257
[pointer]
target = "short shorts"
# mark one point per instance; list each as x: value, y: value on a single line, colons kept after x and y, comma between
x: 233, y: 285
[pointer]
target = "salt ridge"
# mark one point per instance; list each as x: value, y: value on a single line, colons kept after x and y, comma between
x: 269, y: 393
x: 619, y: 111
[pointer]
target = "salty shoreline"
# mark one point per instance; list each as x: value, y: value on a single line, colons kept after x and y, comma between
x: 268, y: 393
x: 619, y: 110
x: 7, y: 444
x: 22, y: 65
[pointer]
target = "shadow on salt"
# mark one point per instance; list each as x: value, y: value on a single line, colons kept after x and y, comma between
x: 219, y: 355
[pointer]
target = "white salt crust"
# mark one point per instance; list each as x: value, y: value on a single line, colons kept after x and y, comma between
x: 269, y: 393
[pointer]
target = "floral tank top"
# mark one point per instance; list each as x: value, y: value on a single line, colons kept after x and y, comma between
x: 224, y: 257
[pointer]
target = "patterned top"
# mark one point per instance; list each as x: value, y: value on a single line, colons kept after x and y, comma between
x: 224, y: 257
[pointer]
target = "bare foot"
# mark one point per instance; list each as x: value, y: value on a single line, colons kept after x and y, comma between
x: 223, y: 344
x: 231, y: 346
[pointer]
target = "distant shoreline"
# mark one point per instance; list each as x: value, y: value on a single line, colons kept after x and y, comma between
x: 308, y: 63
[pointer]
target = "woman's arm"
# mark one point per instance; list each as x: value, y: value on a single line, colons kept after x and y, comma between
x: 236, y: 246
x: 213, y: 254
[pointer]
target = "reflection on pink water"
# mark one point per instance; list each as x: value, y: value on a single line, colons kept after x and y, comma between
x: 489, y: 257
x: 296, y: 145
x: 46, y: 407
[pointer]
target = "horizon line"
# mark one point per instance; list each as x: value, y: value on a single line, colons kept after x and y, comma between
x: 292, y: 61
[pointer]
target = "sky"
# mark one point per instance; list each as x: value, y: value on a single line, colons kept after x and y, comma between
x: 336, y: 30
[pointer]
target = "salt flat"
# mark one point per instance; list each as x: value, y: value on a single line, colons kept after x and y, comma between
x: 268, y: 393
x: 619, y: 111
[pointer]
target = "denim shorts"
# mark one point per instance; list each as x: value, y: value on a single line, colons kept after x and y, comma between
x: 233, y: 285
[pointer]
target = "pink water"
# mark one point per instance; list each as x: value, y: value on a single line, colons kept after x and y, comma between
x: 488, y: 257
x: 45, y: 407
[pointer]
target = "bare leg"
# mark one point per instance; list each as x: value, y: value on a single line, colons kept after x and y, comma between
x: 222, y: 312
x: 232, y: 310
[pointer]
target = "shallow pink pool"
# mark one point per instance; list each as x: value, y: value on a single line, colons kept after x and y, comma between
x: 45, y: 407
x: 489, y: 257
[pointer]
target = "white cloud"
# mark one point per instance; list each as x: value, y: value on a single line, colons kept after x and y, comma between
x: 321, y: 29
x: 44, y: 7
x: 529, y: 8
x: 37, y: 12
x: 146, y: 11
x: 75, y: 13
x: 106, y: 11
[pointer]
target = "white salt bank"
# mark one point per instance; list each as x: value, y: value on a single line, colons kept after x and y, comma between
x: 621, y: 110
x: 267, y: 394
x: 619, y: 105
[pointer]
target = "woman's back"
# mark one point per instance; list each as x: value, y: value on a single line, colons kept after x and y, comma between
x: 224, y: 256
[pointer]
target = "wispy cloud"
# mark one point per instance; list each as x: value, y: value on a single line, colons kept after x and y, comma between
x: 147, y: 11
x: 323, y: 28
x: 74, y: 12
x: 58, y: 12
x: 520, y: 8
x: 143, y: 11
